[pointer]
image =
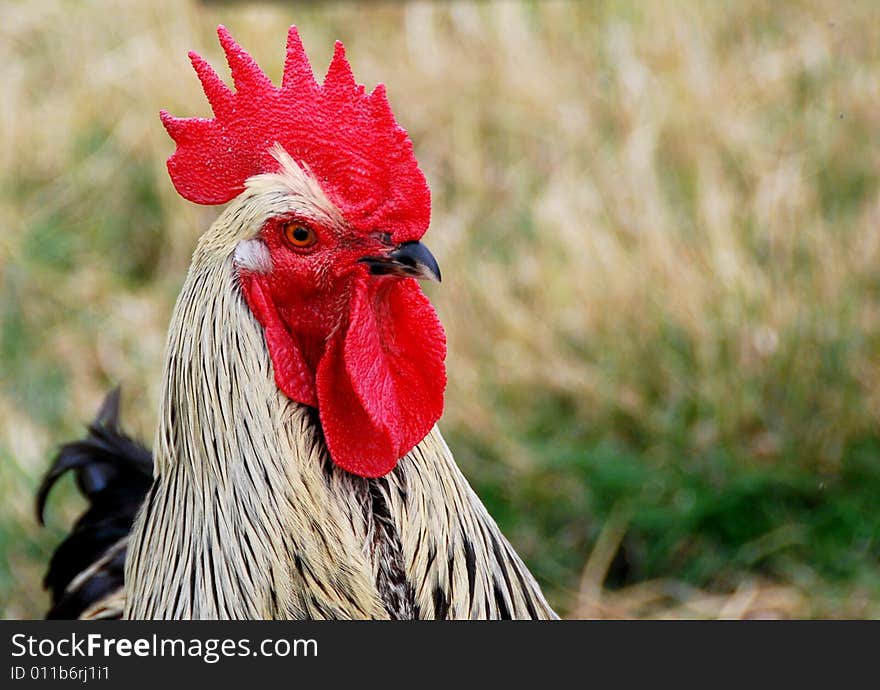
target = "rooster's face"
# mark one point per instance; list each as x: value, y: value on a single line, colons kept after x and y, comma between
x: 312, y: 259
x: 347, y: 327
x: 331, y: 272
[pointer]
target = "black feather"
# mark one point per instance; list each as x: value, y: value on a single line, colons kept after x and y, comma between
x: 114, y: 472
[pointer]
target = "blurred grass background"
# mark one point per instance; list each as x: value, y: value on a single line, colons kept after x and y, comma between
x: 659, y: 227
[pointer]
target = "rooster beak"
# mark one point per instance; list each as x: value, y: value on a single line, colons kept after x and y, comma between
x: 410, y: 259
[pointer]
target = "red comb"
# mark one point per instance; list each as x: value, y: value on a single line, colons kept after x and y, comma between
x: 348, y: 138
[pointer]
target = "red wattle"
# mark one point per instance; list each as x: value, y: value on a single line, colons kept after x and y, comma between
x: 394, y: 352
x: 356, y: 442
x: 381, y: 376
x: 381, y: 381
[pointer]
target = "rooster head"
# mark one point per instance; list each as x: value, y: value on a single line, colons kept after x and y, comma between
x: 329, y: 267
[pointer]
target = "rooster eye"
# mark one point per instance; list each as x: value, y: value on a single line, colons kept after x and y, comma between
x: 299, y: 235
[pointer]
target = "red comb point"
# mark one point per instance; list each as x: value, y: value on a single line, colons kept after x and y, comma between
x: 339, y: 75
x: 219, y: 95
x: 246, y: 73
x: 297, y: 70
x: 348, y: 138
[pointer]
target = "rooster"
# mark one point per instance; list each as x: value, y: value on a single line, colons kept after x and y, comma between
x: 297, y: 471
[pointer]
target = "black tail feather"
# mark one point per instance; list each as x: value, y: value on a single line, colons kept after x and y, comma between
x: 114, y: 472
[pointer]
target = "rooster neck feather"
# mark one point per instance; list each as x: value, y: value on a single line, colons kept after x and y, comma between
x: 239, y: 499
x: 249, y: 518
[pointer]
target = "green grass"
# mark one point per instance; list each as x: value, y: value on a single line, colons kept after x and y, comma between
x: 706, y: 520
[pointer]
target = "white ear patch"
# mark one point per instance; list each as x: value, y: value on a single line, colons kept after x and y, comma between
x: 253, y: 255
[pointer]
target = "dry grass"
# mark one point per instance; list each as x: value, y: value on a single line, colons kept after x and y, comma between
x: 658, y: 224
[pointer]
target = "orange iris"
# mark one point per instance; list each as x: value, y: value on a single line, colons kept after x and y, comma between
x: 299, y: 235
